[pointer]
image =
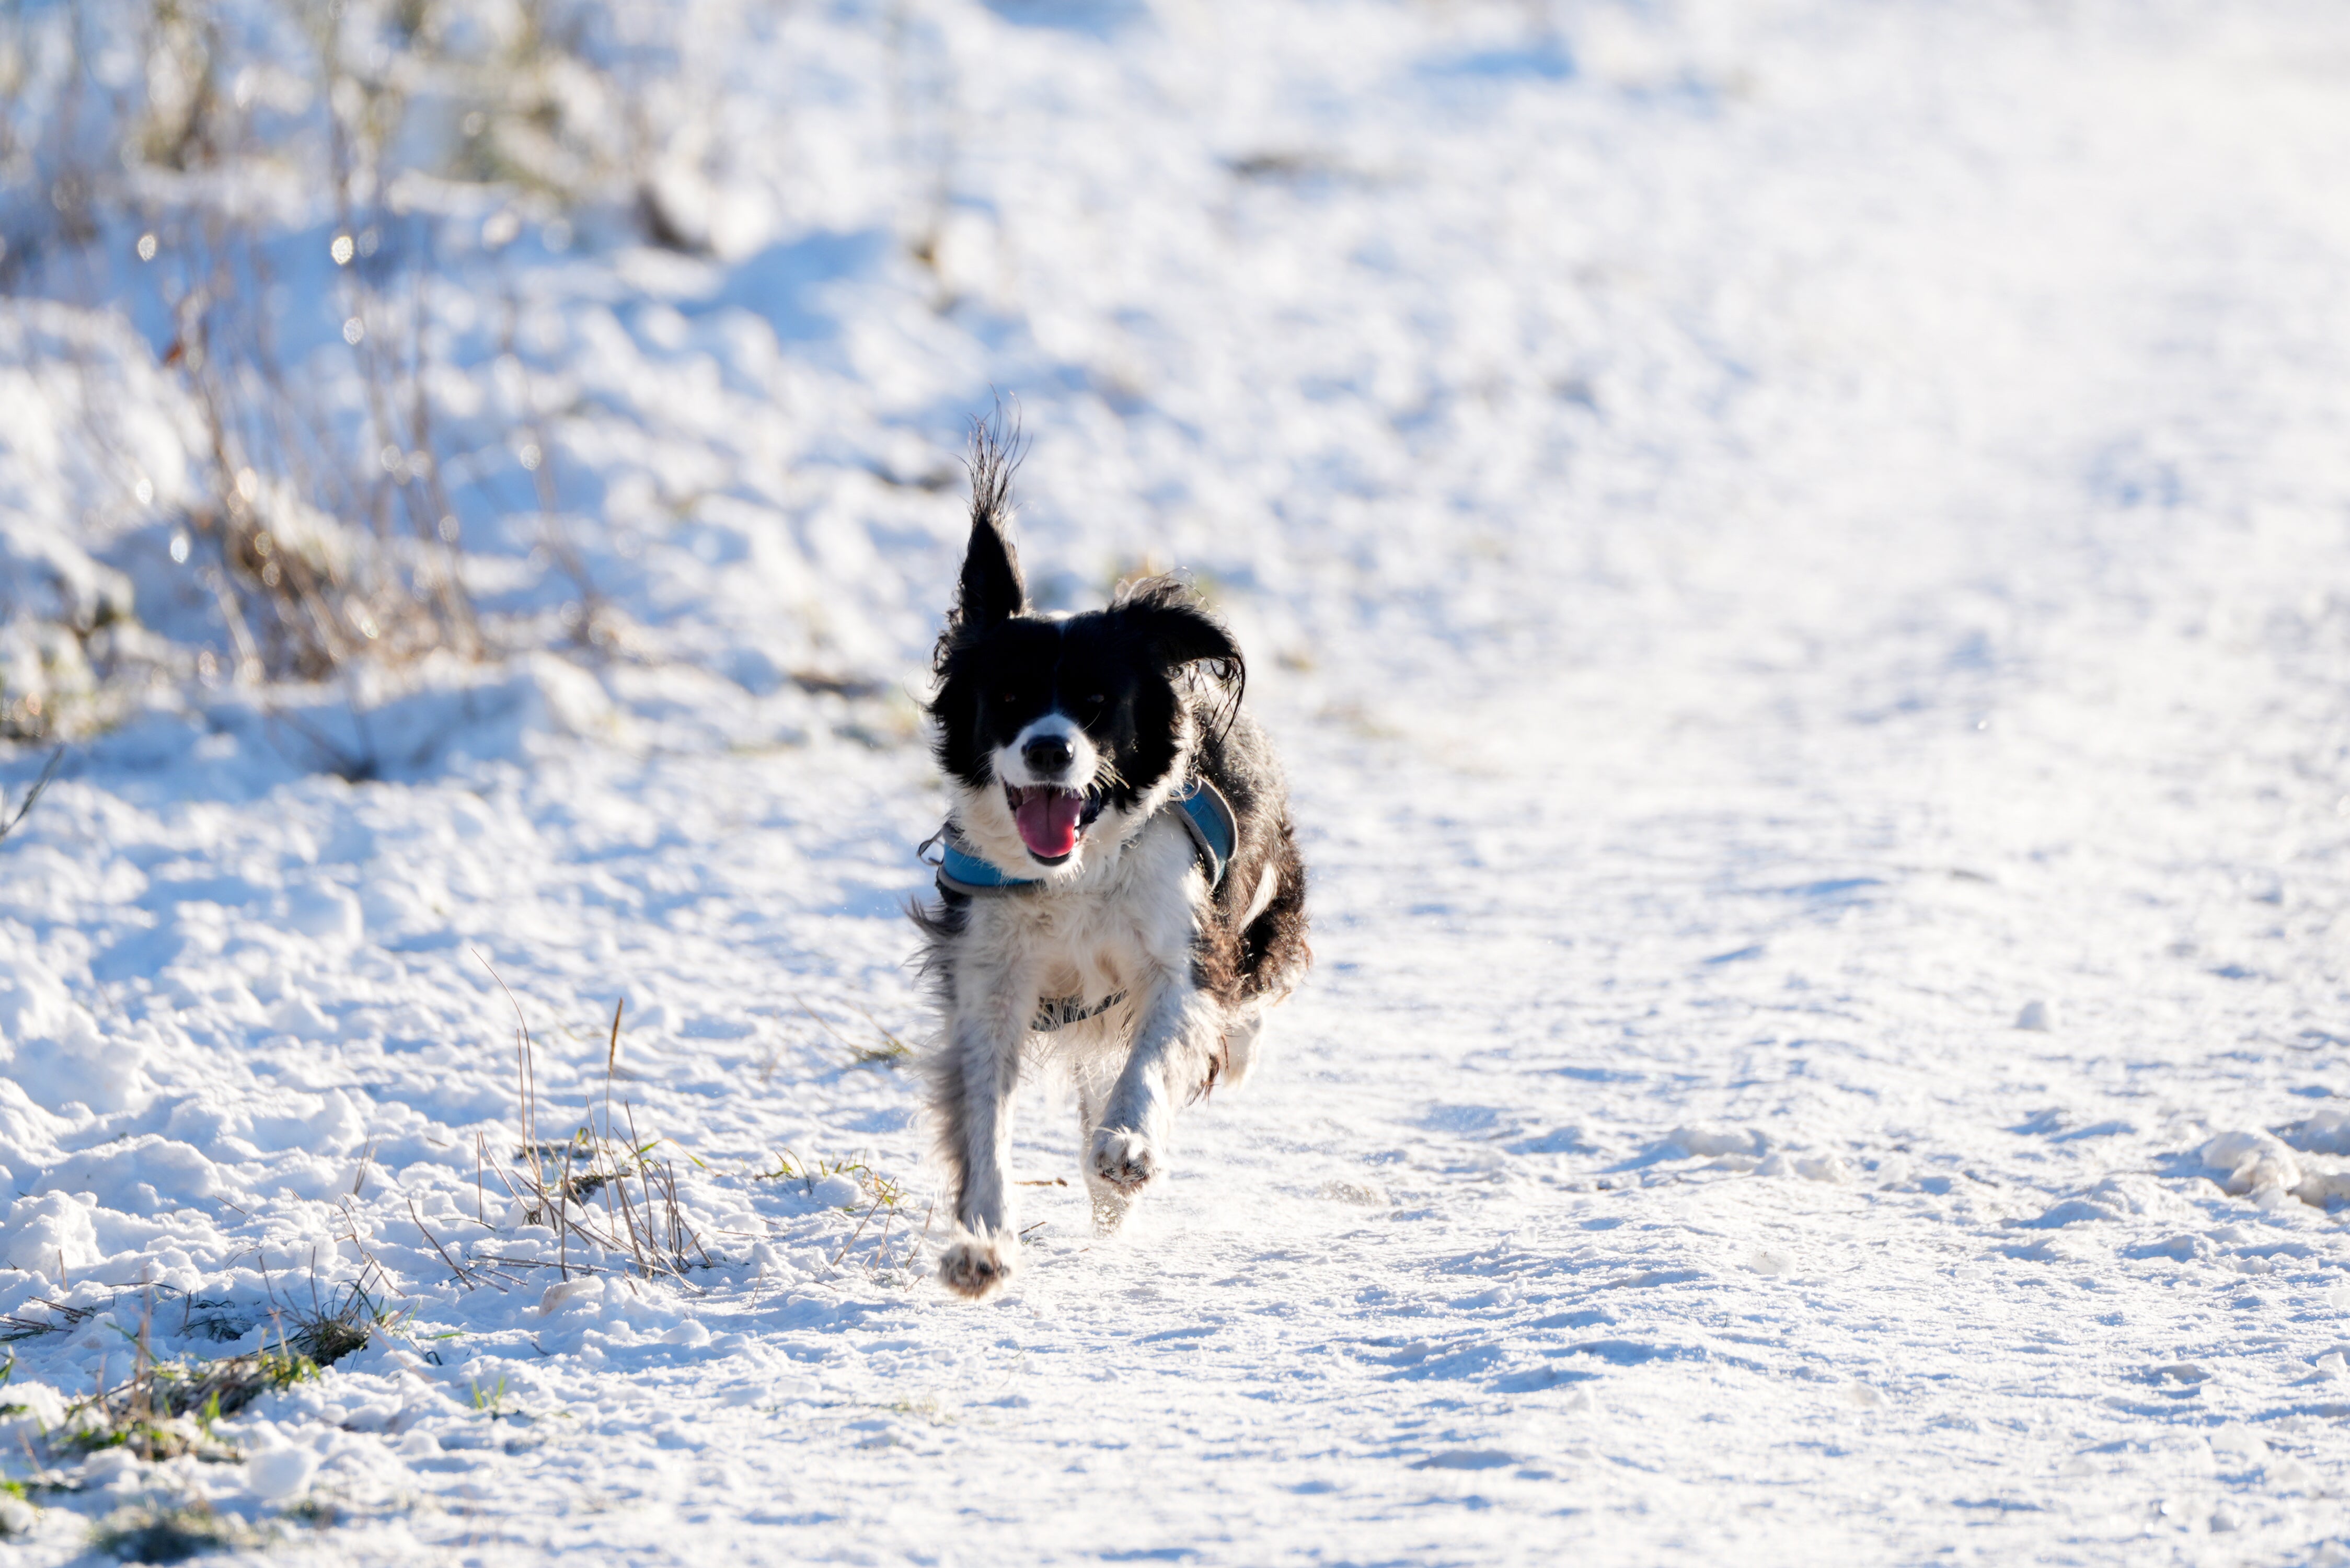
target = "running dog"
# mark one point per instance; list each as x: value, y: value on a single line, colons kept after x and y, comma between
x: 1121, y: 893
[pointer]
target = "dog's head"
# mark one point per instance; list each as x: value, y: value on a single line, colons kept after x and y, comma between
x: 1056, y: 731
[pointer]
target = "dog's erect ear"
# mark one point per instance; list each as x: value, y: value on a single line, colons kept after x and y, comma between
x: 991, y: 588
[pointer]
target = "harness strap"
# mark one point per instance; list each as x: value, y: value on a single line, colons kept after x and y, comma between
x: 1215, y: 828
x: 1055, y: 1010
x: 961, y: 871
x: 1206, y: 816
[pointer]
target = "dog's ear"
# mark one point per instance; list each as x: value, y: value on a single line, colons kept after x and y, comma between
x: 992, y: 589
x: 1178, y: 629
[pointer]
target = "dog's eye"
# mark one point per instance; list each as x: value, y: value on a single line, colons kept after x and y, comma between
x: 1010, y: 696
x: 1096, y: 700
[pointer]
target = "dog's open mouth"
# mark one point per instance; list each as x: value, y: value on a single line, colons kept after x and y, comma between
x: 1050, y: 818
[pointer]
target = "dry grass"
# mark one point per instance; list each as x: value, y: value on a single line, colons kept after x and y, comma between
x: 168, y: 1407
x: 881, y: 1197
x: 324, y: 528
x: 170, y: 1531
x: 319, y: 545
x: 18, y: 1326
x: 615, y: 1202
x: 32, y: 796
x: 606, y: 1193
x: 887, y: 1050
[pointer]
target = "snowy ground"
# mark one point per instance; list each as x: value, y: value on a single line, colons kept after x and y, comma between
x: 1774, y: 538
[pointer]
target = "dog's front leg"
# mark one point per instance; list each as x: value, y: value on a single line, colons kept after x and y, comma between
x: 1172, y: 1040
x: 972, y: 1083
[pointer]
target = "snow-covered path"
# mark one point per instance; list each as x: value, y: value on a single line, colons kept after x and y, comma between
x: 1772, y: 545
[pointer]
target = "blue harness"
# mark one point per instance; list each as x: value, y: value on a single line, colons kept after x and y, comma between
x: 1204, y: 812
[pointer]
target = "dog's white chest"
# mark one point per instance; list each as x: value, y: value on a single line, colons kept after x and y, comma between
x: 1106, y: 934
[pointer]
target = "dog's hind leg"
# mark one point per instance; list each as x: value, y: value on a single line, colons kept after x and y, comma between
x: 1243, y: 1032
x: 973, y: 1079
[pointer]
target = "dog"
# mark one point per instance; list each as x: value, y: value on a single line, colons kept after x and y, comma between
x: 1120, y: 893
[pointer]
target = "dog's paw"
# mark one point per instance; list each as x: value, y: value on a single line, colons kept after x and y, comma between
x: 977, y: 1265
x: 1109, y: 1209
x: 1124, y: 1160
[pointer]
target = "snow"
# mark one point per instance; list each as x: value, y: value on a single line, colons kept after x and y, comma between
x: 1793, y: 552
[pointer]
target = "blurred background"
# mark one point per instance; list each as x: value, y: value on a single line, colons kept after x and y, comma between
x: 358, y: 352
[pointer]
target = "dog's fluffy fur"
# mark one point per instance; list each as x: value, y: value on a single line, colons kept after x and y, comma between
x: 1093, y: 720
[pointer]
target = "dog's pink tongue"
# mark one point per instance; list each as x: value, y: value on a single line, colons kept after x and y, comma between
x: 1048, y: 823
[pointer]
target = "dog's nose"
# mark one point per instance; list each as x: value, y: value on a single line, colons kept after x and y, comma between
x: 1046, y: 755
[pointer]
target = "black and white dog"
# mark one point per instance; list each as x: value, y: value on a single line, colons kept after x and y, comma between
x: 1120, y: 893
